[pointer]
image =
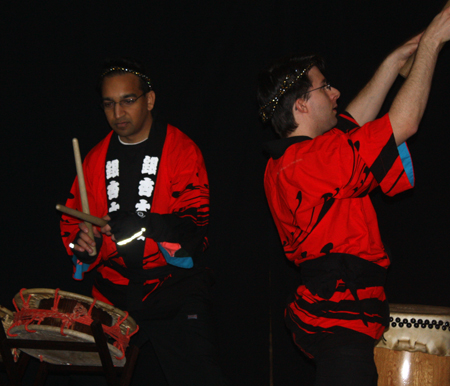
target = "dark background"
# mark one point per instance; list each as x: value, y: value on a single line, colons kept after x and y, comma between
x: 204, y: 57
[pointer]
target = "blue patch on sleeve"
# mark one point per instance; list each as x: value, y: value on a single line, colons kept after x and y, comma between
x: 181, y: 262
x: 406, y: 161
x: 80, y: 268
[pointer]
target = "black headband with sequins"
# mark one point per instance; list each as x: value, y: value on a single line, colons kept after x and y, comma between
x: 145, y: 77
x: 288, y: 82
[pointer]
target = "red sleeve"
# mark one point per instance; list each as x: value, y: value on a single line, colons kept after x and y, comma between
x: 94, y: 176
x: 182, y: 210
x: 389, y: 164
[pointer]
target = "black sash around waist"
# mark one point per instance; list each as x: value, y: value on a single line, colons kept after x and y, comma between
x: 320, y: 275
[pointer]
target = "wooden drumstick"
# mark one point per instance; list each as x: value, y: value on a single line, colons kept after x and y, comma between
x: 406, y: 69
x: 83, y: 193
x: 82, y: 216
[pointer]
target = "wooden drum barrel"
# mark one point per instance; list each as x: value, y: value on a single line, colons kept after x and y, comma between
x: 415, y: 348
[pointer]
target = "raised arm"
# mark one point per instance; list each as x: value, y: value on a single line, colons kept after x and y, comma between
x: 409, y: 104
x: 367, y: 104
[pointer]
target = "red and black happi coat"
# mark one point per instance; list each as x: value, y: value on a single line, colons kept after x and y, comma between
x: 180, y: 206
x: 317, y: 191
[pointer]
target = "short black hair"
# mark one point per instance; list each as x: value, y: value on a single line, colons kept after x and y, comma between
x: 118, y: 66
x: 270, y: 83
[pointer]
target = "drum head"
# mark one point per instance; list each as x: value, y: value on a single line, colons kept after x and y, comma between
x: 59, y: 357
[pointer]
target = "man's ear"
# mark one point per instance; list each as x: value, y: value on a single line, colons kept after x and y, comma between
x: 151, y: 96
x: 300, y: 106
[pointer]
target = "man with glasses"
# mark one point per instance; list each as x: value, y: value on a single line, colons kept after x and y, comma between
x: 149, y: 181
x: 317, y: 183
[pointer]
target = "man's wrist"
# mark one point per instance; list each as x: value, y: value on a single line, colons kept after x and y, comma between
x: 84, y: 256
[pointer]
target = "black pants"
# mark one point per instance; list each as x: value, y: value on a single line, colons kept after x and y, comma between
x: 352, y: 365
x: 179, y: 351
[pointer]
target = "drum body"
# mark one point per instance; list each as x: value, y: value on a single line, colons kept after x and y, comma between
x: 6, y: 318
x: 415, y: 348
x: 47, y: 314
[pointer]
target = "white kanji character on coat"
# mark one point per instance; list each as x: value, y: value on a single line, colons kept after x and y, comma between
x: 149, y: 165
x: 114, y: 207
x: 112, y: 169
x: 113, y: 190
x: 142, y: 206
x: 146, y: 187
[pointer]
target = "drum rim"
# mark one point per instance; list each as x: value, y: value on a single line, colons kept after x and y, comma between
x: 7, y: 319
x: 83, y: 337
x: 6, y: 316
x: 419, y: 309
x: 5, y: 312
x: 417, y: 328
x: 129, y: 322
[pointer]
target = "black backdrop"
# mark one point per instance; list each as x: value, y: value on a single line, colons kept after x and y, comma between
x: 204, y: 57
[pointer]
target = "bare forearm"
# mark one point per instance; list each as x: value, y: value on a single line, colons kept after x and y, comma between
x: 409, y: 104
x: 367, y: 104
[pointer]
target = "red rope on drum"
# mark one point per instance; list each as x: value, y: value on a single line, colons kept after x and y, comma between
x: 17, y: 316
x: 27, y: 324
x: 27, y: 316
x: 92, y: 306
x: 25, y: 303
x: 9, y: 334
x: 16, y: 354
x: 121, y: 340
x: 56, y: 300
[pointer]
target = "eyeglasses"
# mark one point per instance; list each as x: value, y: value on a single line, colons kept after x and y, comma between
x: 326, y: 86
x: 110, y: 105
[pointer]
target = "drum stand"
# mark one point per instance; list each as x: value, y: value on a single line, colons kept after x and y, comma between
x: 14, y: 371
x: 115, y: 376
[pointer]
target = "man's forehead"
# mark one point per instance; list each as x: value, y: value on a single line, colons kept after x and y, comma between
x: 120, y: 84
x: 316, y: 76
